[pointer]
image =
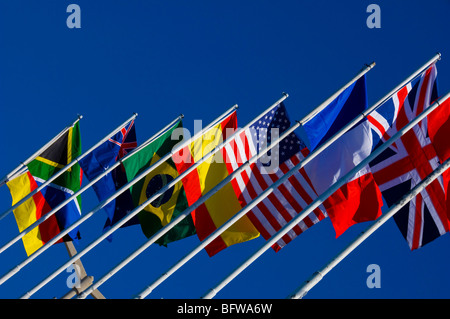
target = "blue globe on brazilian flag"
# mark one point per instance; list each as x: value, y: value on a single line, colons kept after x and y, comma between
x: 171, y: 203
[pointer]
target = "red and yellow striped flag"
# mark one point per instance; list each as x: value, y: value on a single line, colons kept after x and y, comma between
x: 224, y: 204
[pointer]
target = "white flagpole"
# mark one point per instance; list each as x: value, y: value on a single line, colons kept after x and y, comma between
x: 127, y: 217
x: 305, y: 161
x: 65, y: 168
x: 18, y: 267
x: 84, y: 188
x: 216, y: 188
x: 302, y: 290
x: 318, y: 200
x: 11, y: 174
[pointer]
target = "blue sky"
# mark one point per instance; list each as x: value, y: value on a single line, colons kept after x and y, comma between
x: 163, y: 58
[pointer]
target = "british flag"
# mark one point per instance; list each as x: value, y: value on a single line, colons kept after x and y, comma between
x: 409, y: 160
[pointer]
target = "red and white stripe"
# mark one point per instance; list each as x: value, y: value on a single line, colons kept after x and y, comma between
x: 284, y: 203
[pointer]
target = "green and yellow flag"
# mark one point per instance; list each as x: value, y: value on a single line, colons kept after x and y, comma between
x: 62, y: 152
x: 160, y: 212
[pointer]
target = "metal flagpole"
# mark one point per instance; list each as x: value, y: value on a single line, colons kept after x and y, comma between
x: 127, y: 217
x: 65, y: 168
x: 216, y: 188
x: 11, y: 174
x: 18, y: 267
x: 84, y: 188
x: 318, y: 200
x: 305, y: 161
x: 318, y: 275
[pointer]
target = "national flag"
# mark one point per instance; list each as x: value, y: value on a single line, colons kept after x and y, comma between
x: 287, y: 200
x: 410, y: 159
x: 439, y: 131
x: 103, y: 157
x: 62, y: 152
x: 224, y: 204
x: 159, y: 212
x: 359, y: 199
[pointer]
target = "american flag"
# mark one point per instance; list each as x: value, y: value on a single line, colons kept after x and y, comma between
x: 290, y: 198
x: 409, y: 160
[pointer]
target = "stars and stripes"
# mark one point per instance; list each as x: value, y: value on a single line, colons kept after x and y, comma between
x: 290, y: 198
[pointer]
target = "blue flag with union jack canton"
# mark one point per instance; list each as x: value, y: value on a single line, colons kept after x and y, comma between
x: 409, y: 160
x: 100, y: 160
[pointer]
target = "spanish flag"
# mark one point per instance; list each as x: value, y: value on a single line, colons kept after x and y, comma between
x: 224, y: 204
x: 50, y: 161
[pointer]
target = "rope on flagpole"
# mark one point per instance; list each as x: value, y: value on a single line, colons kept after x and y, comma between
x: 302, y: 290
x: 84, y: 188
x: 206, y: 196
x: 65, y: 168
x: 19, y: 168
x: 286, y: 228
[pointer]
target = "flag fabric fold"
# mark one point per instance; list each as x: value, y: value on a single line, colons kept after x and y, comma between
x: 58, y: 155
x: 412, y: 157
x: 171, y: 203
x: 287, y: 200
x: 224, y: 204
x: 359, y: 199
x: 99, y: 160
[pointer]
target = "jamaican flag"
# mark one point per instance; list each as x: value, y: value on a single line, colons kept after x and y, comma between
x: 44, y: 166
x: 170, y: 204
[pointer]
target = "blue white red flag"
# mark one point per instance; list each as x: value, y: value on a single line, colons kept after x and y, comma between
x: 359, y: 199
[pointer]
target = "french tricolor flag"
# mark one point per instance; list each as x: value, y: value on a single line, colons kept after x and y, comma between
x: 359, y: 199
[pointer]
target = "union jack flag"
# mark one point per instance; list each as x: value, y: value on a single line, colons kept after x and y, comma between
x: 409, y: 160
x: 125, y: 139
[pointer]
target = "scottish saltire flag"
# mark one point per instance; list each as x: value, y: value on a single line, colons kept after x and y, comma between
x: 359, y: 199
x: 100, y: 159
x: 291, y: 197
x: 410, y: 159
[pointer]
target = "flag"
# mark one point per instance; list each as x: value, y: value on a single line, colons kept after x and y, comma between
x: 410, y: 159
x: 224, y: 204
x: 359, y: 199
x: 287, y: 200
x: 99, y: 160
x: 439, y: 131
x: 171, y: 203
x: 62, y: 152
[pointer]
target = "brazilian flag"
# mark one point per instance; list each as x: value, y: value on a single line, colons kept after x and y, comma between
x: 170, y: 204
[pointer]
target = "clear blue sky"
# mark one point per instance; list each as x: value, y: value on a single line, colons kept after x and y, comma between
x: 163, y: 58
